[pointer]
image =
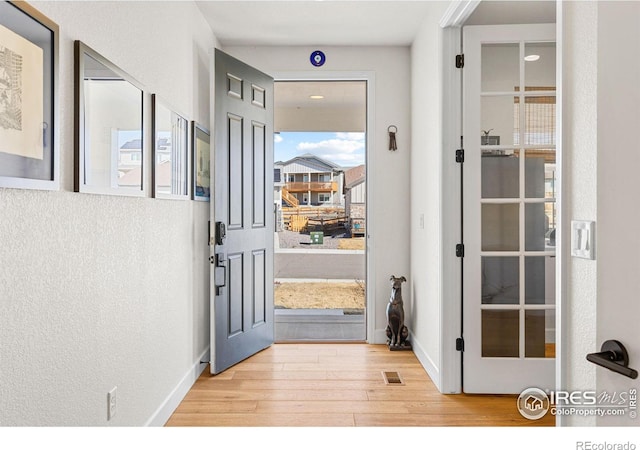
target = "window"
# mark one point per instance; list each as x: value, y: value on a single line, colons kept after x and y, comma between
x: 324, y: 198
x: 539, y: 117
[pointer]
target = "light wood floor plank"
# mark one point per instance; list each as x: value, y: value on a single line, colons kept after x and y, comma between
x: 336, y: 385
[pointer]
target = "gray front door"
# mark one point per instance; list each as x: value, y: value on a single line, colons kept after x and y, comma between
x: 243, y: 252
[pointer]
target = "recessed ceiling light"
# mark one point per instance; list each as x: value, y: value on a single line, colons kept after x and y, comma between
x: 316, y: 97
x: 531, y: 58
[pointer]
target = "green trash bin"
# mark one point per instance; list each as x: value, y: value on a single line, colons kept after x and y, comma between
x: 317, y: 237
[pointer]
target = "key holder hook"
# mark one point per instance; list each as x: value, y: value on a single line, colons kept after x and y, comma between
x: 392, y: 130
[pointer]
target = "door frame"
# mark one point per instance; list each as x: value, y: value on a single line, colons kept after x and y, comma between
x: 451, y: 360
x: 369, y: 77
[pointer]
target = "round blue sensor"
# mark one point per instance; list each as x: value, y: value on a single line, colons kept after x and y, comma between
x: 318, y: 58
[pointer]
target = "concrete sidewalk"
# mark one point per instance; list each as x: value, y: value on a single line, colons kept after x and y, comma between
x: 318, y: 325
x: 328, y: 264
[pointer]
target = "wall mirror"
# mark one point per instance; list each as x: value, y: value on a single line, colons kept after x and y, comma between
x: 109, y: 146
x: 170, y: 152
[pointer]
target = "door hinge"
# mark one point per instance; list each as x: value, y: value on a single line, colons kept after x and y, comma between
x: 460, y: 250
x: 460, y: 155
x: 460, y: 344
x: 460, y: 61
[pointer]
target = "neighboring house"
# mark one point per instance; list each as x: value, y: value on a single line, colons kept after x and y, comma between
x: 355, y: 199
x: 278, y: 185
x: 310, y: 180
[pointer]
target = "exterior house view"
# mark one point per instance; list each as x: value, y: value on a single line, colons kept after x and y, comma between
x: 311, y: 181
x: 520, y: 254
x: 355, y: 199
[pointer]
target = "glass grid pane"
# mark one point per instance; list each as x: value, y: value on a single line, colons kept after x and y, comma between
x: 500, y: 280
x: 540, y: 173
x: 539, y: 334
x: 500, y: 67
x: 500, y: 174
x: 500, y: 227
x: 496, y: 120
x: 540, y: 280
x: 500, y: 333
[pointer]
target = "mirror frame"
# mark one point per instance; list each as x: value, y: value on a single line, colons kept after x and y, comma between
x: 186, y: 155
x: 199, y: 135
x: 79, y: 182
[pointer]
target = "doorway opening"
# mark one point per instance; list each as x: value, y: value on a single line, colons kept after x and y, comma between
x: 320, y: 203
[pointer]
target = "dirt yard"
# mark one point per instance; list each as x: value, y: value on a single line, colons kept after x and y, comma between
x: 348, y: 295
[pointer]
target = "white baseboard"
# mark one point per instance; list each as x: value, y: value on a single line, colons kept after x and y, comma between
x: 163, y: 413
x: 427, y: 363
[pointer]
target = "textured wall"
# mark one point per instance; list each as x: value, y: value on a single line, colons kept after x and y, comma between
x: 426, y: 191
x: 99, y: 291
x: 618, y: 241
x: 580, y: 150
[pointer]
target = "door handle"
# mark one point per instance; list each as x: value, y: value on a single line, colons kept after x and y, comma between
x: 613, y: 356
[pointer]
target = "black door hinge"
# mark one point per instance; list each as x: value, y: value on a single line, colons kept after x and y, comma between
x: 460, y: 250
x: 460, y: 344
x: 460, y: 155
x: 460, y: 61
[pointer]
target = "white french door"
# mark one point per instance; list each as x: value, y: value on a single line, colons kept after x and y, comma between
x: 509, y: 208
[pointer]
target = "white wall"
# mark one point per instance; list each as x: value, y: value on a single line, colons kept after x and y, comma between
x: 426, y: 181
x: 618, y: 241
x: 388, y: 171
x: 99, y: 291
x: 580, y: 151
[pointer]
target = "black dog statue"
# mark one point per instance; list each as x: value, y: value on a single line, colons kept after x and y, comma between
x: 397, y: 332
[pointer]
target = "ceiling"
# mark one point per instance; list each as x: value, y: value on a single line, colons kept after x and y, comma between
x: 347, y: 22
x: 520, y: 12
x: 342, y: 23
x: 343, y: 106
x: 306, y: 23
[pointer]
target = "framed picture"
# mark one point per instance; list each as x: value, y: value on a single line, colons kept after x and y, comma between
x: 170, y: 171
x: 201, y: 162
x: 29, y: 156
x: 110, y: 127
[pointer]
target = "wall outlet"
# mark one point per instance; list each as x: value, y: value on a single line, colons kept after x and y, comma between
x: 111, y: 403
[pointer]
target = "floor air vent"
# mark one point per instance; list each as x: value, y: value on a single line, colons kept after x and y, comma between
x: 392, y: 378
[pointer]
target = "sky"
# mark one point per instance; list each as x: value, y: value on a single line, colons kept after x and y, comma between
x: 344, y: 149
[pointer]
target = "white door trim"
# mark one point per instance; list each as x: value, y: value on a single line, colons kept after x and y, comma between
x: 450, y: 220
x: 370, y: 78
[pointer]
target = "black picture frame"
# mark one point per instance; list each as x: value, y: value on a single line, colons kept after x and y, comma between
x: 29, y: 147
x: 201, y: 151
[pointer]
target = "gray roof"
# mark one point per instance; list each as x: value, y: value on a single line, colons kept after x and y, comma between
x: 314, y: 161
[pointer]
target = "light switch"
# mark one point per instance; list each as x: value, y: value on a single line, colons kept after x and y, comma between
x: 583, y: 239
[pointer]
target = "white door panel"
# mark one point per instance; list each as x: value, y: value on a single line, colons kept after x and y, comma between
x: 509, y: 208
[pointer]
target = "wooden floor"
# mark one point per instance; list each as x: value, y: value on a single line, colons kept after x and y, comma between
x: 336, y: 385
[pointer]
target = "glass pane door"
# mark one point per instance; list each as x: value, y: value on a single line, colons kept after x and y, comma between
x: 518, y: 215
